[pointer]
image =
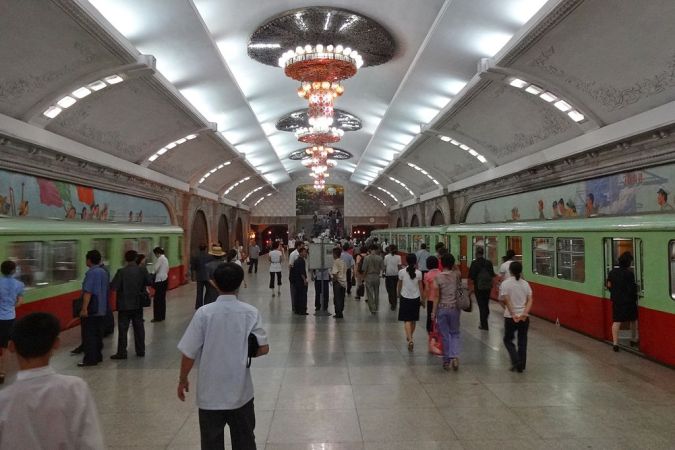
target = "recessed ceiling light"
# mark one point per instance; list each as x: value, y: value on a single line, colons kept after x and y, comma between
x: 181, y: 141
x: 562, y: 105
x: 81, y: 92
x: 534, y: 89
x: 202, y: 180
x: 481, y: 158
x: 163, y: 150
x: 52, y: 111
x: 473, y: 152
x: 518, y: 83
x: 153, y: 157
x: 190, y: 137
x: 576, y: 115
x: 548, y: 97
x: 113, y: 79
x: 97, y: 85
x: 454, y: 142
x: 66, y: 102
x: 444, y: 138
x: 171, y: 145
x: 464, y: 147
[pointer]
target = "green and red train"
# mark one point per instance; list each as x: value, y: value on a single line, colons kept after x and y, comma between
x: 567, y: 261
x: 50, y: 256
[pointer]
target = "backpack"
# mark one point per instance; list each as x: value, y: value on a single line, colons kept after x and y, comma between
x: 484, y: 279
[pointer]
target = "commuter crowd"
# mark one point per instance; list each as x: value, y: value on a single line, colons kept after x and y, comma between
x: 61, y: 410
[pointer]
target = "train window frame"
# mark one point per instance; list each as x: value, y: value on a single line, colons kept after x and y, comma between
x: 22, y: 274
x: 164, y: 243
x: 488, y: 243
x: 535, y: 259
x: 105, y: 253
x: 509, y: 246
x: 570, y: 265
x: 671, y: 260
x: 74, y: 250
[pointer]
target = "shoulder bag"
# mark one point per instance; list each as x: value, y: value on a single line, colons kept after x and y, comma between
x: 253, y: 347
x: 463, y: 299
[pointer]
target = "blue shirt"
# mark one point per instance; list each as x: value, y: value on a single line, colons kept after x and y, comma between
x: 348, y: 259
x: 10, y: 289
x: 96, y: 282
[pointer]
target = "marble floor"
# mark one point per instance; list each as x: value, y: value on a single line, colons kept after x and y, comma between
x: 352, y: 384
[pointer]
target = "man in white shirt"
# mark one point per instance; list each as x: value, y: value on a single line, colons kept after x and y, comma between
x: 291, y: 259
x: 43, y: 409
x: 392, y: 264
x: 161, y: 284
x: 224, y: 385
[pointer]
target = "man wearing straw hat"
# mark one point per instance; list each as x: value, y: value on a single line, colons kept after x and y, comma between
x: 211, y: 290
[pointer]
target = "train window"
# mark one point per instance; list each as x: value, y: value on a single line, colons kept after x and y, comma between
x: 615, y: 247
x: 671, y: 245
x: 515, y: 243
x: 164, y: 243
x: 103, y: 246
x: 129, y: 244
x: 180, y: 249
x: 145, y: 247
x: 571, y: 259
x: 415, y: 243
x: 402, y: 243
x: 489, y: 245
x: 63, y: 261
x: 30, y: 263
x: 543, y: 253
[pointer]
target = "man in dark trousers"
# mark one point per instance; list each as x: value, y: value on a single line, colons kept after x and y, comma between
x: 129, y: 282
x: 253, y: 255
x: 94, y: 305
x: 199, y: 273
x: 481, y: 274
x: 298, y: 278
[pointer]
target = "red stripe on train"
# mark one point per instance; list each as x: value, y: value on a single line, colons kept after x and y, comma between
x: 592, y: 315
x: 61, y: 305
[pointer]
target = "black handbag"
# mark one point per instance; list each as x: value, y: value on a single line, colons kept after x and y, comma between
x: 253, y: 347
x: 145, y: 298
x: 92, y: 308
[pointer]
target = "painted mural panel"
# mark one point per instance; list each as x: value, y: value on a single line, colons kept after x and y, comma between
x: 29, y: 196
x: 638, y: 192
x: 308, y: 200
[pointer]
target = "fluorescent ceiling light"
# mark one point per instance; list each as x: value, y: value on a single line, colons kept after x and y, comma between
x: 548, y: 97
x: 190, y: 137
x: 264, y: 46
x: 113, y: 79
x: 481, y: 158
x: 97, y: 85
x: 171, y: 145
x: 66, y: 102
x: 473, y: 152
x: 576, y: 115
x: 518, y: 83
x: 163, y: 150
x: 534, y: 90
x: 490, y: 43
x: 202, y: 180
x: 153, y: 157
x: 454, y: 142
x: 464, y: 147
x: 81, y: 92
x: 52, y: 111
x: 562, y: 105
x: 444, y: 138
x: 181, y: 141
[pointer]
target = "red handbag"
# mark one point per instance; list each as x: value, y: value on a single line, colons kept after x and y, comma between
x: 435, y: 340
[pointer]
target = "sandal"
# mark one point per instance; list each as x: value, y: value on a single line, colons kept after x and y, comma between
x: 446, y: 366
x: 455, y: 364
x: 411, y: 345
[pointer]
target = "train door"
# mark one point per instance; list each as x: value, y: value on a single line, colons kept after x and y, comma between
x: 463, y: 258
x: 515, y: 243
x: 613, y: 248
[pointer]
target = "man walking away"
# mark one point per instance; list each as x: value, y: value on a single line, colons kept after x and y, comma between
x: 94, y: 304
x: 422, y: 255
x: 129, y: 282
x: 392, y: 265
x: 298, y: 278
x: 224, y: 385
x: 253, y: 255
x: 349, y: 264
x: 321, y: 291
x: 339, y: 273
x: 372, y: 269
x: 481, y: 274
x: 199, y: 274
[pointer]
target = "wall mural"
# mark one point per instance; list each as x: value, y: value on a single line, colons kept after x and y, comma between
x: 308, y: 200
x: 29, y: 196
x: 638, y: 192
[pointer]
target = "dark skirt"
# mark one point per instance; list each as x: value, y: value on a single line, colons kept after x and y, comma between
x: 409, y: 310
x: 5, y: 328
x: 624, y: 312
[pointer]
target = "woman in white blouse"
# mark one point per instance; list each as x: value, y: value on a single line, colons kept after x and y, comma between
x: 161, y: 283
x: 517, y: 297
x: 409, y: 289
x: 275, y: 257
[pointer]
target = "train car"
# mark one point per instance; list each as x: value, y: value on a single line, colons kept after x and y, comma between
x: 50, y: 256
x: 567, y: 262
x: 409, y: 239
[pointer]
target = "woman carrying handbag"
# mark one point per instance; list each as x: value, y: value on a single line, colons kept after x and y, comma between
x: 447, y: 309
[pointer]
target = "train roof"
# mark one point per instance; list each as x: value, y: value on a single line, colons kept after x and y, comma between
x: 652, y: 222
x: 14, y: 225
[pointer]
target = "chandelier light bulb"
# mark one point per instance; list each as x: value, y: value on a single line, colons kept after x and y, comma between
x: 319, y: 48
x: 346, y: 51
x: 330, y: 48
x: 338, y: 49
x: 308, y: 48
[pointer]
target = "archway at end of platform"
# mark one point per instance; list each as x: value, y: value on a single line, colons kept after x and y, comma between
x: 414, y: 222
x: 240, y: 231
x: 437, y: 218
x: 200, y: 232
x: 224, y: 231
x: 399, y: 223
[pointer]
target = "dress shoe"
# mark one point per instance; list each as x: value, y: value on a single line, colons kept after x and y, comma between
x: 615, y: 348
x: 76, y: 350
x: 116, y: 356
x: 157, y: 320
x: 86, y: 364
x: 140, y: 355
x: 338, y: 316
x: 483, y: 328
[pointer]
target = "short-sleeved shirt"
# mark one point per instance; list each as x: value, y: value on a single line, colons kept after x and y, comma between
x: 391, y: 264
x: 348, y: 259
x: 275, y: 261
x: 254, y: 252
x: 161, y: 269
x: 10, y: 290
x: 518, y: 291
x: 96, y: 282
x: 504, y: 270
x: 410, y: 287
x: 339, y: 271
x: 431, y: 289
x: 372, y: 265
x: 292, y: 257
x: 422, y: 255
x: 218, y: 337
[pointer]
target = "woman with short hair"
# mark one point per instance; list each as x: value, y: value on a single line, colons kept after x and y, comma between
x: 517, y: 297
x: 446, y: 311
x: 624, y: 297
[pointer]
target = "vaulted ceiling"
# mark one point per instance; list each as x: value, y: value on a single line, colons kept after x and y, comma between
x: 465, y: 98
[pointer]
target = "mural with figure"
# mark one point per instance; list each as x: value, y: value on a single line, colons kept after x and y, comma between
x: 636, y: 192
x: 309, y: 201
x: 35, y: 197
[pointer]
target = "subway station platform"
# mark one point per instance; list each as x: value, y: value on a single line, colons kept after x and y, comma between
x: 352, y: 384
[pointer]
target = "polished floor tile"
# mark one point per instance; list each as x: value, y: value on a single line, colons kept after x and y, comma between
x: 352, y: 385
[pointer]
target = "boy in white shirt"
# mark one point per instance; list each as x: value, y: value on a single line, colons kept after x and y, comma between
x: 43, y: 409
